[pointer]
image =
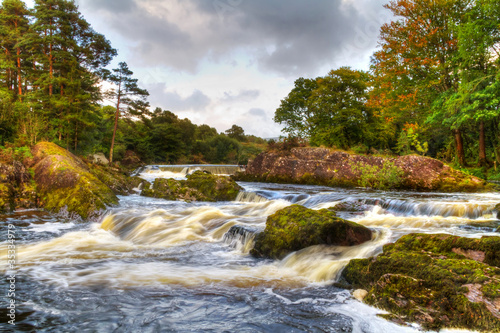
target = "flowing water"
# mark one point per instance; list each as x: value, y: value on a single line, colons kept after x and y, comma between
x: 152, y: 265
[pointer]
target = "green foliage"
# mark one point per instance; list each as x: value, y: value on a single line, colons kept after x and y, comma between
x: 408, y: 143
x: 330, y: 110
x: 237, y: 133
x: 388, y: 176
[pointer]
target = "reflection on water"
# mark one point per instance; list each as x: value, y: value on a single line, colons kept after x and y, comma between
x: 188, y: 263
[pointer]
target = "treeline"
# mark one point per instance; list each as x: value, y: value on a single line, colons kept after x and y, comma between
x: 433, y: 88
x: 160, y: 136
x: 52, y: 66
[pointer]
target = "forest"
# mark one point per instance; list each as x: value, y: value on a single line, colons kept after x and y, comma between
x: 53, y: 66
x: 433, y: 89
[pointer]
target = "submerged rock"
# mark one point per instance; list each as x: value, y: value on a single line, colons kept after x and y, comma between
x: 296, y: 227
x: 65, y: 183
x: 437, y: 281
x: 321, y: 166
x: 199, y: 186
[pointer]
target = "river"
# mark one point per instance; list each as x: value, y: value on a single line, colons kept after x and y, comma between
x: 152, y: 265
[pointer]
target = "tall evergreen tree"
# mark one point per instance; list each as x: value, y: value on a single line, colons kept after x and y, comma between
x: 127, y: 95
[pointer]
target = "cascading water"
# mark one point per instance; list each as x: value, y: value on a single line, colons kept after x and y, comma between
x: 155, y: 265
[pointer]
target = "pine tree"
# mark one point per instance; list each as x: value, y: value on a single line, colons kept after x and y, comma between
x: 127, y: 94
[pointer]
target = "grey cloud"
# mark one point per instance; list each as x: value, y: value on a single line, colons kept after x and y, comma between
x: 256, y: 112
x: 242, y: 96
x: 173, y: 101
x: 293, y: 37
x: 122, y: 6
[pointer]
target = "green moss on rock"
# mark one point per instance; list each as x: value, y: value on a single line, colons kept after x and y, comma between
x: 66, y: 184
x: 199, y: 186
x: 217, y: 188
x: 296, y: 227
x: 436, y: 280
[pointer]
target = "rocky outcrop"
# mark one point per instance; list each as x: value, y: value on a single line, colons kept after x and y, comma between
x: 296, y: 227
x: 199, y: 186
x: 65, y: 183
x: 323, y: 166
x: 437, y: 281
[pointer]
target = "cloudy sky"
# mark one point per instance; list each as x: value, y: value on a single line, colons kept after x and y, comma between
x: 224, y: 62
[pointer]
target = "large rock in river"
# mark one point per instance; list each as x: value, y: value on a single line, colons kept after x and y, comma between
x: 437, y: 281
x: 199, y: 186
x: 330, y: 167
x: 296, y: 227
x: 65, y: 183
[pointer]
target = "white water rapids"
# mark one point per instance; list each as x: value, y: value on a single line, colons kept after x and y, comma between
x: 147, y: 246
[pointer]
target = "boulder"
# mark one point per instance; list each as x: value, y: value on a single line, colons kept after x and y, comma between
x: 65, y: 183
x: 199, y: 186
x: 99, y: 158
x: 296, y: 227
x: 437, y: 281
x: 321, y: 166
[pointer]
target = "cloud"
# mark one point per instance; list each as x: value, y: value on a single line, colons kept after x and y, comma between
x: 256, y: 112
x: 173, y: 101
x: 290, y: 37
x: 242, y: 96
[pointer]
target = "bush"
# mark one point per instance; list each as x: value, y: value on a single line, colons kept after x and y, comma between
x: 388, y: 176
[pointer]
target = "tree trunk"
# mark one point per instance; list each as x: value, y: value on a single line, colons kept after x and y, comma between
x: 460, y: 147
x: 116, y: 126
x: 76, y: 137
x: 483, y: 162
x: 51, y: 61
x: 19, y: 80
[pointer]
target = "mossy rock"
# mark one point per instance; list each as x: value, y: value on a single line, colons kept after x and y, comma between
x: 171, y: 189
x: 66, y: 184
x: 199, y: 186
x: 216, y: 188
x: 296, y: 227
x: 437, y: 281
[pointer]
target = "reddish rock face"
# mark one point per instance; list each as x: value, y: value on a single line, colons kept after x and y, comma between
x: 339, y: 168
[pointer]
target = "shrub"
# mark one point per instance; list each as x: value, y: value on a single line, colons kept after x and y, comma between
x: 388, y: 176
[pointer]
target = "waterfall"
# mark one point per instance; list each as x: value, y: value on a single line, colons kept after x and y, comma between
x: 250, y: 197
x: 240, y: 238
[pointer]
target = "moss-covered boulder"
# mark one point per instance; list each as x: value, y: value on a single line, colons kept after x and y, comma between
x: 64, y: 182
x: 116, y: 179
x: 199, y: 186
x: 437, y: 281
x: 217, y: 188
x: 296, y: 227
